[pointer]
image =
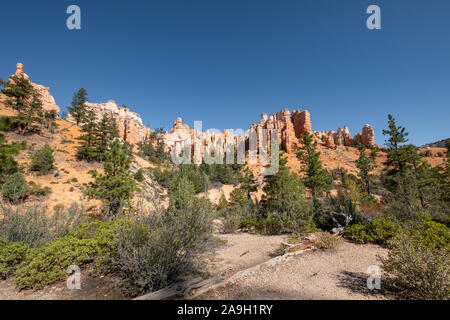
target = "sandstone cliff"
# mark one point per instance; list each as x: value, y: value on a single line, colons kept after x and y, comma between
x: 290, y: 128
x: 130, y: 126
x: 48, y: 102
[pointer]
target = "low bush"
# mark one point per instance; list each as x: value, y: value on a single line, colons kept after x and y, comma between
x: 327, y: 242
x: 139, y: 175
x: 89, y: 242
x: 268, y: 226
x: 231, y: 219
x: 11, y: 255
x: 15, y: 188
x: 432, y: 234
x: 35, y: 189
x: 6, y: 123
x: 359, y: 233
x: 42, y: 160
x: 49, y: 263
x: 414, y: 270
x: 155, y: 250
x: 32, y: 225
x: 381, y: 230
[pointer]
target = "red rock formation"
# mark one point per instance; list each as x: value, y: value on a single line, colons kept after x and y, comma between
x: 290, y: 128
x: 48, y: 102
x: 367, y: 136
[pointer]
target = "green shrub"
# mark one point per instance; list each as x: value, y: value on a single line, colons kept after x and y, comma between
x: 35, y: 189
x: 49, y: 263
x: 34, y: 227
x: 11, y: 255
x: 384, y: 229
x: 74, y: 180
x: 432, y: 234
x: 414, y: 270
x: 42, y: 160
x: 267, y: 226
x: 6, y: 123
x: 15, y: 188
x: 232, y: 219
x: 139, y: 175
x: 359, y: 233
x: 155, y: 250
x: 89, y: 242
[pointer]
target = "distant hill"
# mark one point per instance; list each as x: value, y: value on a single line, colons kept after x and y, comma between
x: 437, y: 144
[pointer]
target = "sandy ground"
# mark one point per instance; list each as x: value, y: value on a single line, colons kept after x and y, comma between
x: 338, y: 274
x: 99, y: 288
x: 241, y: 251
x: 333, y: 274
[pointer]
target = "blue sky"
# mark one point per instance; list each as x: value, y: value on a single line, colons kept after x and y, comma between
x: 226, y: 62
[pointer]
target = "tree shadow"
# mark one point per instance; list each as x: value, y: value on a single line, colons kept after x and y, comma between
x: 357, y: 283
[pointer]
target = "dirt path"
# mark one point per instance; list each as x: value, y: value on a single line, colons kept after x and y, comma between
x: 337, y: 274
x: 99, y: 288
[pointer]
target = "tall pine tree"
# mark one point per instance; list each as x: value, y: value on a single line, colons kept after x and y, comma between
x: 365, y: 165
x: 317, y: 178
x: 22, y: 97
x: 116, y: 186
x: 78, y: 108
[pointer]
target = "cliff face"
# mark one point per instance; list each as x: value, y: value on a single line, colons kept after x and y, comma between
x: 48, y: 102
x: 290, y: 128
x: 343, y: 137
x: 129, y: 124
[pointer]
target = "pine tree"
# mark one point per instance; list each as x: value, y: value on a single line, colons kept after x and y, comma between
x: 116, y: 186
x: 317, y: 178
x: 247, y: 182
x: 78, y: 108
x: 86, y: 149
x: 365, y: 165
x: 413, y: 184
x: 181, y: 193
x: 399, y: 154
x: 105, y: 131
x: 285, y: 193
x: 22, y: 97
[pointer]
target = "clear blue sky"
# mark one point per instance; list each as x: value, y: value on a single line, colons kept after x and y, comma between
x: 225, y: 62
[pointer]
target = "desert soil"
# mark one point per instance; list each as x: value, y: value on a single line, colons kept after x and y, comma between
x: 334, y: 274
x: 338, y: 274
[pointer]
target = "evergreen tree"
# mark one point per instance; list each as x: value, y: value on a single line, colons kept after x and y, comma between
x: 153, y: 147
x: 365, y: 165
x: 22, y: 97
x: 78, y: 108
x: 42, y: 160
x: 116, y: 186
x: 181, y: 193
x: 8, y: 165
x: 399, y: 154
x: 317, y: 178
x: 285, y: 193
x: 87, y: 150
x: 413, y: 184
x: 105, y: 131
x: 247, y: 181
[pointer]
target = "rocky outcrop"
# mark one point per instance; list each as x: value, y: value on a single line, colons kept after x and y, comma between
x: 343, y: 137
x: 48, y: 102
x: 290, y: 128
x: 129, y: 124
x: 367, y: 136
